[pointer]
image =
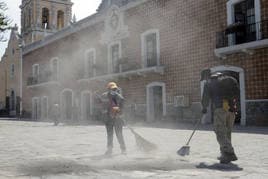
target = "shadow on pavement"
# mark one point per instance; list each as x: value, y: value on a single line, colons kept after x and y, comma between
x: 50, y: 167
x: 114, y: 163
x: 219, y: 166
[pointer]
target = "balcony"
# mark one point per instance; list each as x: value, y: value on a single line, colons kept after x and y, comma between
x: 241, y: 37
x: 125, y: 64
x: 42, y: 79
x: 125, y: 69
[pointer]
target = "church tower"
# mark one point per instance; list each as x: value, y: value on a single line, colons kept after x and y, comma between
x: 43, y: 17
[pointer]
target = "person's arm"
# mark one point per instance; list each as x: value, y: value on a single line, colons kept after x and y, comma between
x: 205, y: 98
x: 234, y: 96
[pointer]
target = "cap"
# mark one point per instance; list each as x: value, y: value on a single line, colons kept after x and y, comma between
x: 112, y: 85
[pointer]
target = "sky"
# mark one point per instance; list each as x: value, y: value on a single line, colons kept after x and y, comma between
x: 81, y: 9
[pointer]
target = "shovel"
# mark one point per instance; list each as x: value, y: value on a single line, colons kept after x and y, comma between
x: 185, y: 150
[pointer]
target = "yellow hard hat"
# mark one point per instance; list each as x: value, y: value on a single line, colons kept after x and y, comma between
x: 112, y: 85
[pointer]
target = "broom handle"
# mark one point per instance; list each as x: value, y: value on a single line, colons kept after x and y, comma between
x: 130, y: 128
x: 196, y: 125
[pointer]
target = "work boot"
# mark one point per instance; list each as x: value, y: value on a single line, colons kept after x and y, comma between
x: 225, y: 160
x: 232, y: 157
x: 109, y: 152
x: 227, y: 157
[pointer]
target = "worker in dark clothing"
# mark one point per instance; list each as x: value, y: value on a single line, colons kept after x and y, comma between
x: 113, y: 104
x: 221, y: 90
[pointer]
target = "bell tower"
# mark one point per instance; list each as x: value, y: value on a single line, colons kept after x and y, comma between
x: 40, y: 18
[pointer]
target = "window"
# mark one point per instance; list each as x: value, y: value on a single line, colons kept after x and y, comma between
x: 150, y: 48
x: 35, y: 71
x: 55, y: 69
x: 45, y: 18
x: 151, y: 52
x: 12, y: 70
x: 245, y: 14
x: 90, y: 61
x: 60, y: 19
x: 114, y: 56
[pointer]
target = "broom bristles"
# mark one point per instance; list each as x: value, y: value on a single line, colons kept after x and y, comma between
x: 142, y: 143
x: 185, y: 150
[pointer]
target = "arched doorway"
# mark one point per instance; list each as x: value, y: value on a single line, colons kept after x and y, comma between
x: 86, y: 105
x: 45, y: 18
x: 36, y: 109
x: 237, y: 73
x: 60, y: 19
x: 12, y: 103
x: 156, y: 101
x: 67, y: 104
x: 44, y: 108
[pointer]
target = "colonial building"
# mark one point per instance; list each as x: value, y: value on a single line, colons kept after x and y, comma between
x: 155, y: 50
x: 10, y: 73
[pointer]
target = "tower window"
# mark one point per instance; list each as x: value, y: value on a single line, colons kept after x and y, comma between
x: 45, y: 18
x: 29, y: 18
x: 12, y: 71
x: 24, y: 20
x: 60, y: 19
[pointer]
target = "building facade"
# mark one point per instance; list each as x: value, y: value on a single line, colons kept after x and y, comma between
x: 10, y: 76
x: 155, y: 50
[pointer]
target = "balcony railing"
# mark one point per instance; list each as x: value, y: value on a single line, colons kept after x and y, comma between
x: 240, y: 33
x: 125, y: 64
x: 41, y: 78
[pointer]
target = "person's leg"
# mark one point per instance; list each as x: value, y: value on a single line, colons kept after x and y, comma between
x: 110, y: 132
x: 220, y: 127
x: 230, y: 124
x: 119, y: 134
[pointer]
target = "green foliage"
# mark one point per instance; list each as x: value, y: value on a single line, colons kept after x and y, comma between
x: 4, y: 20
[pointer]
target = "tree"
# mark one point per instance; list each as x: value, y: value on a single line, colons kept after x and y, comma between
x: 4, y: 21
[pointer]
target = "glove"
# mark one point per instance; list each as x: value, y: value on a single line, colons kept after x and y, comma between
x: 115, y: 109
x: 204, y: 110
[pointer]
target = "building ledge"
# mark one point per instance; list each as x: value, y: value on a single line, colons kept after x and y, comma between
x: 128, y: 74
x: 44, y: 84
x: 245, y: 48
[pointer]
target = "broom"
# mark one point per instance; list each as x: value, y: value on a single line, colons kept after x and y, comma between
x: 185, y: 150
x: 143, y: 144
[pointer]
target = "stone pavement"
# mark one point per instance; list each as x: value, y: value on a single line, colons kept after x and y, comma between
x: 41, y: 150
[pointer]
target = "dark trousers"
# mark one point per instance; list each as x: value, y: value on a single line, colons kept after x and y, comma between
x: 117, y: 125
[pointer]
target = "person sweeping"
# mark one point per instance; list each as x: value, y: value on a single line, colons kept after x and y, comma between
x: 221, y: 90
x: 113, y: 104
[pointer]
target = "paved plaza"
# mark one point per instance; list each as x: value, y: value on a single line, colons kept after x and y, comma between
x: 41, y: 150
